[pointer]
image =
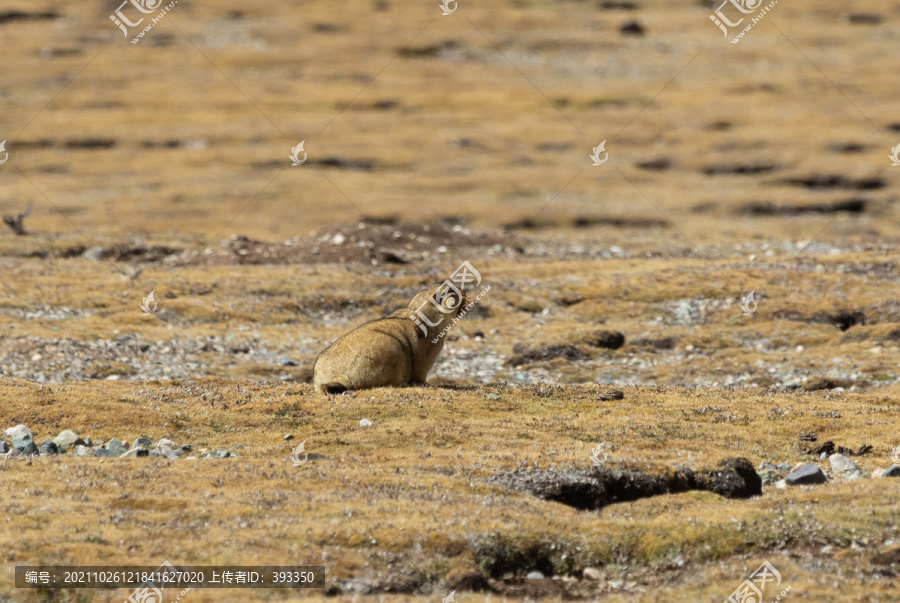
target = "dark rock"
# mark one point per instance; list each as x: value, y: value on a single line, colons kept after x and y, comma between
x: 4, y: 447
x: 49, y: 447
x: 632, y: 28
x: 29, y: 449
x: 142, y: 443
x: 892, y: 471
x: 611, y: 340
x: 289, y: 363
x: 808, y: 437
x: 806, y: 475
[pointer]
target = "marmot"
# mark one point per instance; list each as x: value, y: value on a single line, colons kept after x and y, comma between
x: 396, y: 350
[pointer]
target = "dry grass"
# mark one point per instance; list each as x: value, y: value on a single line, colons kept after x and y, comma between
x: 454, y: 131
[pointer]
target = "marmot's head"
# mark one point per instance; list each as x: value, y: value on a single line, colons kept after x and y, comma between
x: 440, y: 302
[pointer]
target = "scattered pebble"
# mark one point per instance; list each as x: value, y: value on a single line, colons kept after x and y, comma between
x: 365, y: 423
x: 288, y: 437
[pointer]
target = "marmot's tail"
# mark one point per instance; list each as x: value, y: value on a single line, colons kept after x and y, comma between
x: 333, y: 388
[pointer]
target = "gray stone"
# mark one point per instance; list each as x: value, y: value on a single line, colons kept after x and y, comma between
x: 592, y: 573
x: 892, y: 471
x: 142, y: 443
x: 288, y: 437
x: 220, y: 454
x: 88, y: 442
x: 49, y: 447
x: 135, y: 452
x: 19, y: 431
x: 187, y: 447
x: 30, y: 449
x: 4, y: 447
x: 157, y: 454
x: 167, y: 452
x: 534, y: 575
x: 100, y: 451
x: 21, y: 443
x: 82, y: 450
x: 784, y: 468
x: 769, y: 477
x: 68, y: 440
x: 165, y: 442
x: 117, y: 447
x: 841, y: 464
x: 805, y: 475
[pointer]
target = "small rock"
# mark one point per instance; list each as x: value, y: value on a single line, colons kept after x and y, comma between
x: 187, y: 447
x: 168, y: 452
x: 30, y: 449
x: 592, y: 573
x: 157, y: 454
x: 781, y: 484
x: 534, y: 576
x: 892, y: 471
x: 288, y: 437
x: 493, y: 396
x: 289, y: 363
x: 49, y: 447
x: 785, y: 468
x: 841, y: 464
x: 769, y: 477
x: 4, y: 447
x: 100, y: 451
x: 611, y: 394
x: 807, y: 474
x: 19, y: 432
x: 134, y: 453
x: 67, y: 440
x: 22, y: 442
x: 165, y: 442
x: 632, y: 28
x: 365, y: 423
x: 82, y: 450
x: 117, y: 447
x: 823, y: 456
x: 142, y: 443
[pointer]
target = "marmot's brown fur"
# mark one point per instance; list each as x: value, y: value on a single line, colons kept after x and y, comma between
x: 389, y: 352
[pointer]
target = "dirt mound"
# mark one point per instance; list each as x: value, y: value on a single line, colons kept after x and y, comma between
x: 366, y: 243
